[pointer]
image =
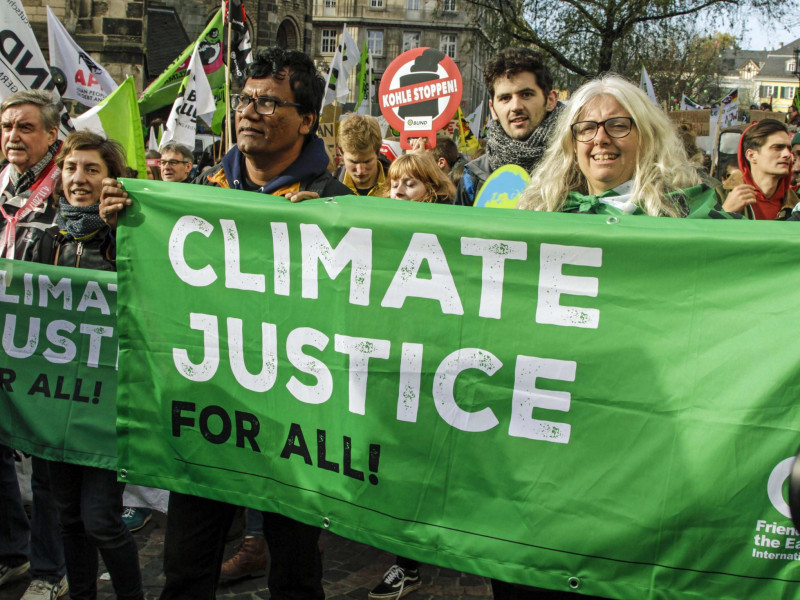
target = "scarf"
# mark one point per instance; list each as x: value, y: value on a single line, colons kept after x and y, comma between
x: 78, y: 222
x: 617, y: 201
x: 20, y: 182
x: 505, y: 150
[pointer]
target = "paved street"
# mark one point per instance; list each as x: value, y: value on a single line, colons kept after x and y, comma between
x: 351, y: 570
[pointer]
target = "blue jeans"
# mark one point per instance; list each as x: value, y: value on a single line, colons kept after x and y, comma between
x: 46, y: 549
x: 90, y: 505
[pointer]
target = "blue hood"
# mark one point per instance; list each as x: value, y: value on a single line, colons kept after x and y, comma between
x: 312, y: 162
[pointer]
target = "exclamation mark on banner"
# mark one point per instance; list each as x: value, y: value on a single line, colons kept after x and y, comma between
x: 97, y: 387
x: 374, y: 459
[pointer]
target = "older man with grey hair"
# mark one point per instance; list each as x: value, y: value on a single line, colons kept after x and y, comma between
x: 176, y: 162
x: 29, y: 138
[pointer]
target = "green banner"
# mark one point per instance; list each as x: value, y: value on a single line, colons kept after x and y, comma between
x: 58, y: 360
x: 573, y: 402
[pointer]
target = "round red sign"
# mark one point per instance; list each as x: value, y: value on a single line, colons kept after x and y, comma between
x: 419, y: 93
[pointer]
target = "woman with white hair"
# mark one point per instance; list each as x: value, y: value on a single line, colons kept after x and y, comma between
x: 615, y: 152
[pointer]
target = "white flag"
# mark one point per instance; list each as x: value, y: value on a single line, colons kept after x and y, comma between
x: 344, y: 61
x: 689, y: 104
x: 195, y: 102
x: 647, y: 86
x: 152, y: 143
x: 474, y: 120
x: 22, y: 65
x: 726, y: 111
x: 87, y: 82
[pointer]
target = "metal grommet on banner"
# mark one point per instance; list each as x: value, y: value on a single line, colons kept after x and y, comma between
x: 574, y: 583
x: 612, y: 220
x: 331, y: 200
x: 123, y: 473
x: 326, y: 523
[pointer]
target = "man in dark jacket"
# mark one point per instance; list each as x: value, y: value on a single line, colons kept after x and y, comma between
x: 524, y: 106
x: 29, y: 124
x: 277, y: 152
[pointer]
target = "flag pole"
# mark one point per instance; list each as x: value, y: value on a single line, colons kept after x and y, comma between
x: 228, y: 128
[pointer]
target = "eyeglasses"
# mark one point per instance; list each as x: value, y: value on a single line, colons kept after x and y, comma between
x: 263, y: 104
x: 173, y: 162
x: 615, y: 127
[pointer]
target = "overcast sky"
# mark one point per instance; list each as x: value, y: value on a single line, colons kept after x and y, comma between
x: 758, y: 35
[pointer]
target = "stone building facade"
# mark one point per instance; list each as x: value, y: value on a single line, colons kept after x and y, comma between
x: 139, y: 38
x: 391, y: 27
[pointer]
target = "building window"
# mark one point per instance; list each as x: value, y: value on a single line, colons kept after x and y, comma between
x: 790, y: 66
x: 410, y: 40
x: 376, y: 3
x: 328, y: 41
x: 375, y: 41
x: 447, y: 44
x: 787, y: 93
x: 330, y: 3
x: 766, y: 91
x: 413, y: 5
x: 449, y: 5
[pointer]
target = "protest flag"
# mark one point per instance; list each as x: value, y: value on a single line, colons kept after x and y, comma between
x: 725, y: 112
x: 239, y: 45
x: 343, y: 63
x: 87, y: 82
x: 195, y: 100
x: 152, y: 142
x: 117, y: 118
x: 796, y: 101
x: 22, y: 64
x: 647, y: 85
x: 467, y: 144
x: 165, y: 88
x: 689, y: 104
x: 366, y: 83
x: 474, y: 119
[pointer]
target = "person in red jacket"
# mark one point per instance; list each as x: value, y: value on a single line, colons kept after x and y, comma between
x: 765, y: 159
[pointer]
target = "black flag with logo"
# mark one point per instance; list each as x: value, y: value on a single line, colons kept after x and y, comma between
x: 241, y: 47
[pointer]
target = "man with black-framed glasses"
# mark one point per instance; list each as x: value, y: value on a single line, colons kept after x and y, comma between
x: 277, y: 149
x: 277, y: 152
x: 176, y: 162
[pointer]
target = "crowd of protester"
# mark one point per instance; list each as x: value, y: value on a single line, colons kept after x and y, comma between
x: 609, y: 150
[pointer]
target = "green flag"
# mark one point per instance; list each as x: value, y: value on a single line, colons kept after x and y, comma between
x: 564, y: 401
x: 165, y: 88
x: 117, y: 118
x: 364, y: 82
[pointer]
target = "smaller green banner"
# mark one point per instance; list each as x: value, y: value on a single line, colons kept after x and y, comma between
x: 58, y: 380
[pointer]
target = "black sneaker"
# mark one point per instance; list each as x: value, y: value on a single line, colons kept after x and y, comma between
x: 397, y: 582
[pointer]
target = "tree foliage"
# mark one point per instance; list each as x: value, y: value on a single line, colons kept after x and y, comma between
x: 588, y: 37
x: 681, y: 60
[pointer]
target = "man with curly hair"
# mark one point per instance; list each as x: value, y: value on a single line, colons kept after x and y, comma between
x: 524, y: 106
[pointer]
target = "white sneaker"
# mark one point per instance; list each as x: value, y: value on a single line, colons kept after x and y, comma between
x: 9, y: 574
x: 40, y: 589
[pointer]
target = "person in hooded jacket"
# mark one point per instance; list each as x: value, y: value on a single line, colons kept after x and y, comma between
x: 765, y: 160
x: 277, y: 152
